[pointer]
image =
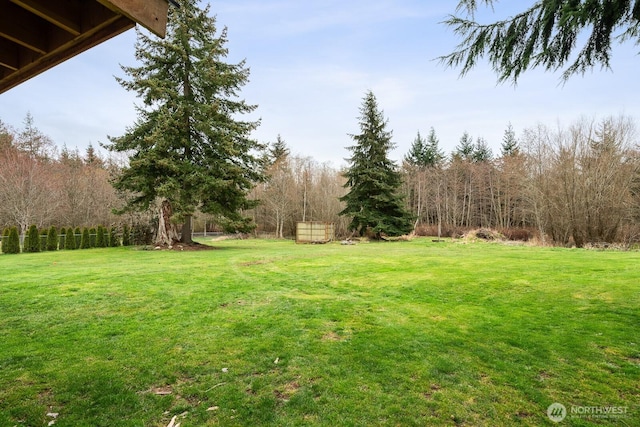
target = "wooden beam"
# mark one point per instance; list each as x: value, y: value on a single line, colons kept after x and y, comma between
x: 14, y: 56
x: 22, y: 27
x: 62, y: 14
x: 86, y: 41
x: 151, y: 14
x: 9, y: 55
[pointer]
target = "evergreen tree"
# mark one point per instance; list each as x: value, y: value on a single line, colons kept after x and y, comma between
x: 464, y: 150
x: 481, y: 151
x: 85, y: 240
x: 91, y: 157
x: 69, y: 240
x: 189, y: 147
x: 5, y: 239
x: 32, y: 242
x: 92, y: 237
x: 278, y: 151
x: 78, y: 236
x: 44, y: 234
x: 544, y: 35
x: 374, y: 201
x: 510, y: 145
x: 434, y: 155
x: 126, y: 235
x: 13, y: 242
x: 52, y: 239
x: 425, y: 153
x: 114, y: 241
x: 415, y: 156
x: 63, y: 235
x: 100, y: 238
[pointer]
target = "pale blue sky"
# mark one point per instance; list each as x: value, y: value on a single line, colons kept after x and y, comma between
x: 312, y: 62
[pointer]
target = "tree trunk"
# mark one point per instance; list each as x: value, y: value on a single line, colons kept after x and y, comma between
x: 167, y: 233
x: 186, y: 230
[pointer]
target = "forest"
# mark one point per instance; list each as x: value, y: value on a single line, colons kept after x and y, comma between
x: 568, y: 186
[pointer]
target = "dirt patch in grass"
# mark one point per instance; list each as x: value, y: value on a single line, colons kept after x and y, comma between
x: 524, y: 414
x: 288, y: 390
x: 543, y: 376
x: 434, y: 388
x: 256, y: 262
x: 332, y: 336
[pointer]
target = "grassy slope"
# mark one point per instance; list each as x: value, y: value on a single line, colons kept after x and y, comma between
x: 406, y: 333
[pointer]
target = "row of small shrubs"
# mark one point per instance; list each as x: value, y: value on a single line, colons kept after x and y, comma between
x: 67, y: 238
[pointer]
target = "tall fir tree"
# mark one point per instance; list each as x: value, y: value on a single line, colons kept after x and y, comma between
x: 425, y: 153
x: 91, y: 157
x: 190, y: 148
x: 465, y: 148
x: 415, y: 156
x: 510, y: 146
x: 374, y: 202
x: 434, y: 155
x: 481, y: 151
x: 278, y: 151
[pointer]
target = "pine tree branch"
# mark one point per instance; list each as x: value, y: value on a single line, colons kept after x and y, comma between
x: 544, y: 35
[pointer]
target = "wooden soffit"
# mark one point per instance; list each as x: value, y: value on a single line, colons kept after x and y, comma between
x: 36, y: 35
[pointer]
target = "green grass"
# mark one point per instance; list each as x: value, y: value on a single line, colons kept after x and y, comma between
x: 405, y: 333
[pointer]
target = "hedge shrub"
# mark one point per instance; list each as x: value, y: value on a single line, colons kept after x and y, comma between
x: 63, y: 234
x: 114, y: 241
x: 77, y: 233
x: 92, y: 237
x: 70, y: 240
x: 100, y: 238
x: 126, y: 235
x: 32, y: 240
x: 52, y: 239
x: 13, y: 242
x: 5, y: 240
x: 85, y: 240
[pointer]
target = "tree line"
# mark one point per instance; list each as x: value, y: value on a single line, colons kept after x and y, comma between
x: 41, y: 185
x: 573, y: 185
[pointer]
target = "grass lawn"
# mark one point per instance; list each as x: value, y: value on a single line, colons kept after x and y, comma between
x: 272, y: 333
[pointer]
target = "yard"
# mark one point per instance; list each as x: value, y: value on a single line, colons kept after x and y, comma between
x: 257, y: 332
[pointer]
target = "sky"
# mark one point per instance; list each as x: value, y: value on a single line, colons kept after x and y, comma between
x: 313, y: 61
